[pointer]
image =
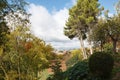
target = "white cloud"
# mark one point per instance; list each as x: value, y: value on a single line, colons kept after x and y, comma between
x: 49, y: 26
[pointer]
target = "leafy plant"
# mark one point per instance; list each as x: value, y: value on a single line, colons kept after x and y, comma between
x: 79, y: 71
x: 101, y: 65
x: 56, y: 68
x: 75, y: 56
x: 108, y: 47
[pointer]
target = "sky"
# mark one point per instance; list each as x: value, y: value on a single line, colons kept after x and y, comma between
x: 48, y: 19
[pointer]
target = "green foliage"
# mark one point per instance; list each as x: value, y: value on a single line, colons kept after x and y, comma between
x: 113, y: 29
x: 107, y: 29
x: 74, y: 57
x: 44, y: 75
x: 116, y: 69
x: 56, y: 68
x: 22, y: 54
x: 98, y: 34
x: 26, y: 55
x: 11, y: 5
x: 4, y: 30
x: 2, y: 5
x: 83, y: 17
x: 79, y: 71
x: 101, y: 65
x: 7, y: 10
x: 108, y: 47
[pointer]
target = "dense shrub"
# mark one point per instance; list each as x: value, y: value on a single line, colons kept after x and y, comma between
x: 78, y: 72
x: 74, y: 57
x: 70, y: 62
x: 101, y: 65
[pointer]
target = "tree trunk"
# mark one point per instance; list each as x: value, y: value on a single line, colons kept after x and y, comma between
x: 91, y: 49
x: 90, y: 43
x: 114, y: 46
x: 101, y: 46
x: 82, y: 47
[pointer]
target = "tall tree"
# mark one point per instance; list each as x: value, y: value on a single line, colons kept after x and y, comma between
x: 3, y: 26
x: 10, y: 7
x: 98, y: 35
x: 113, y: 30
x: 108, y: 29
x: 82, y: 17
x: 25, y: 57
